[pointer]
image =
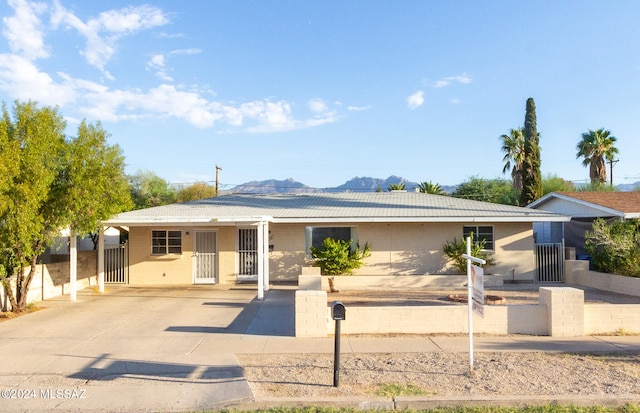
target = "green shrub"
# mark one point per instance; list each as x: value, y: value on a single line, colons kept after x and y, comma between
x: 454, y: 250
x: 615, y: 247
x: 338, y: 257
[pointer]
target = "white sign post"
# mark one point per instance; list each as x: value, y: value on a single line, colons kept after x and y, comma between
x: 470, y: 301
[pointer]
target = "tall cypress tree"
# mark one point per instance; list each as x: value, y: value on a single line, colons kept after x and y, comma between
x: 531, y: 174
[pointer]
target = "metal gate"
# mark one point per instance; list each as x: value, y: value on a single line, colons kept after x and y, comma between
x: 204, y: 258
x: 116, y: 264
x: 247, y: 253
x: 550, y: 262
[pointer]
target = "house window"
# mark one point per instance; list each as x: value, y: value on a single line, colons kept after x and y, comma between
x: 166, y: 242
x: 480, y: 233
x: 316, y: 235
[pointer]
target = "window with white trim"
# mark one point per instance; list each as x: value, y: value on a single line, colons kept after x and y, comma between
x: 480, y: 232
x: 314, y: 236
x: 165, y: 242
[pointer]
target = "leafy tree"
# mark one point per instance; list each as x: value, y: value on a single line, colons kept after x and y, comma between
x: 397, y: 187
x: 94, y: 173
x: 553, y: 183
x: 595, y: 147
x: 454, y: 250
x: 513, y: 149
x: 149, y: 190
x: 57, y: 184
x: 430, y: 188
x: 531, y: 174
x: 339, y: 257
x: 499, y: 191
x: 199, y: 190
x: 615, y: 247
x: 36, y: 138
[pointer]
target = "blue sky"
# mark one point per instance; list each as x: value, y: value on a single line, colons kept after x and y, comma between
x: 323, y: 91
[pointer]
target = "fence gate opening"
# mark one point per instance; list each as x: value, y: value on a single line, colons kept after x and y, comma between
x: 116, y: 264
x: 550, y: 262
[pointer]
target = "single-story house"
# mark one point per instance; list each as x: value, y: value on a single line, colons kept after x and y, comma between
x: 583, y: 208
x: 242, y: 237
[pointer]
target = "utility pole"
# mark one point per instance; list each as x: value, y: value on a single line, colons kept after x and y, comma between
x: 217, y: 169
x: 611, y: 163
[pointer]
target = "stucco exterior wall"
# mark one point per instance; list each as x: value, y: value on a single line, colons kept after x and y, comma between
x: 408, y: 249
x: 397, y: 249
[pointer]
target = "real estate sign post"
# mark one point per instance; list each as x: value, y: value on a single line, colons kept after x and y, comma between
x: 470, y: 301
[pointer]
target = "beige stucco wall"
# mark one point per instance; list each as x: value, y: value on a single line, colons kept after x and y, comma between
x: 408, y: 249
x: 397, y: 249
x: 148, y: 269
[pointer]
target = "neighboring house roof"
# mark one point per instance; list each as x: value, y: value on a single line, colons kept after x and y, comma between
x: 591, y: 204
x: 331, y: 207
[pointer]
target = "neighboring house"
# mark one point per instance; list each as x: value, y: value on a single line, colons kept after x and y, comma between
x: 235, y: 238
x: 583, y: 208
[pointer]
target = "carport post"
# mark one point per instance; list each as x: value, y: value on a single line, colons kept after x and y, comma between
x: 101, y: 260
x: 265, y: 254
x: 260, y: 261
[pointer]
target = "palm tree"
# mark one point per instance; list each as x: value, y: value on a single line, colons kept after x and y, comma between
x: 397, y: 187
x: 513, y: 149
x: 595, y: 147
x: 430, y: 188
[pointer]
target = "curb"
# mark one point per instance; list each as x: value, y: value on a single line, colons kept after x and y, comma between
x: 403, y: 403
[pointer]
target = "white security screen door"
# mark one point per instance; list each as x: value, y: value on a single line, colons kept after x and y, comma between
x: 205, y: 258
x: 247, y: 253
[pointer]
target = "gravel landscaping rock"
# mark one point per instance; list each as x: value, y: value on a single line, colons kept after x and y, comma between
x: 442, y: 374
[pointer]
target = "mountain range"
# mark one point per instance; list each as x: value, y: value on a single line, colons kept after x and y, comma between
x: 357, y: 184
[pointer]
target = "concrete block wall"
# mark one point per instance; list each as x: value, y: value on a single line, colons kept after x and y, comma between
x: 577, y: 273
x: 609, y: 318
x: 565, y: 316
x: 311, y: 313
x: 52, y: 280
x: 444, y: 319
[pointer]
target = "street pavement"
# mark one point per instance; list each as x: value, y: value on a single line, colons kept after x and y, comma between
x: 173, y: 349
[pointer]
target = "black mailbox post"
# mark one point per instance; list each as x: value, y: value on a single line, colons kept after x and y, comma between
x: 338, y: 313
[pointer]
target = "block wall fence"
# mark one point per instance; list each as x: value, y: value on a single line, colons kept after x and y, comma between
x: 560, y: 312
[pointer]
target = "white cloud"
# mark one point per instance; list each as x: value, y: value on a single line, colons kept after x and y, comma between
x: 158, y: 62
x: 463, y: 78
x: 317, y: 105
x: 23, y: 29
x: 416, y: 100
x: 358, y: 108
x: 102, y: 33
x: 22, y: 80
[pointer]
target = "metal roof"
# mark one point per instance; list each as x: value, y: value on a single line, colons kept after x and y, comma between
x: 395, y: 206
x: 622, y: 204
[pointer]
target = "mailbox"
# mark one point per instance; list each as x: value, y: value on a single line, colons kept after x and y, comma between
x: 338, y: 311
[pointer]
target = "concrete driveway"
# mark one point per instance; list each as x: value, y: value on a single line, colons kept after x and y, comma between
x: 135, y: 349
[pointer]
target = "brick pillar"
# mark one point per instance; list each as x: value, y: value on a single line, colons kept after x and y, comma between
x: 311, y: 313
x: 565, y: 311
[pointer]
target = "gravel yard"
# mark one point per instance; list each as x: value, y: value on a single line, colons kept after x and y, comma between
x: 441, y: 374
x: 446, y: 374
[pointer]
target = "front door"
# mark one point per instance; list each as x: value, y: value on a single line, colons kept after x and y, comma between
x: 205, y: 264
